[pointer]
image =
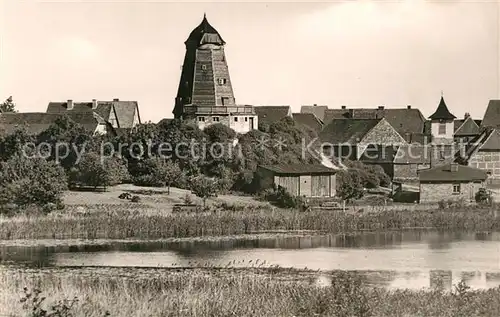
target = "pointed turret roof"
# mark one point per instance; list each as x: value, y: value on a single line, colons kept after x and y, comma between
x: 205, y: 34
x: 442, y: 112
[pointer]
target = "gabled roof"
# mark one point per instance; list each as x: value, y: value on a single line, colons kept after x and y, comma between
x: 442, y: 112
x: 444, y: 173
x: 468, y: 127
x: 270, y: 114
x: 125, y: 111
x: 317, y: 110
x: 298, y: 169
x: 205, y: 34
x: 347, y: 130
x: 403, y: 120
x: 308, y: 120
x: 492, y: 115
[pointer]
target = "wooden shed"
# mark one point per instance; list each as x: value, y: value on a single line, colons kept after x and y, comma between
x: 309, y: 180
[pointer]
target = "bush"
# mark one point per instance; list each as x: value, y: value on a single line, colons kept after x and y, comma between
x: 31, y: 181
x: 483, y: 197
x: 280, y: 197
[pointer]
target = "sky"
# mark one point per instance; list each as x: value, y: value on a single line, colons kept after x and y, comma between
x: 357, y: 53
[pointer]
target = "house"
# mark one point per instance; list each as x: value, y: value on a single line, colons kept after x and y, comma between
x: 119, y: 113
x: 309, y: 180
x: 36, y: 122
x: 269, y: 114
x: 309, y: 121
x: 408, y: 122
x: 450, y: 182
x: 317, y: 110
x: 348, y: 138
x: 484, y: 153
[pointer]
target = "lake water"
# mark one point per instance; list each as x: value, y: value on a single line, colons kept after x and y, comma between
x: 414, y: 259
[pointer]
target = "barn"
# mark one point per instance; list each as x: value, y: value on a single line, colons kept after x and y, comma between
x: 307, y: 180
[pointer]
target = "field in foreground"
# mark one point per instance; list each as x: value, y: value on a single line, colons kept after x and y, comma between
x: 209, y: 292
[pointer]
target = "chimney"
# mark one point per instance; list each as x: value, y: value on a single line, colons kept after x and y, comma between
x: 408, y: 107
x: 69, y: 105
x: 454, y: 167
x: 380, y: 107
x: 94, y: 103
x: 314, y: 105
x: 116, y: 99
x: 466, y: 115
x: 344, y: 107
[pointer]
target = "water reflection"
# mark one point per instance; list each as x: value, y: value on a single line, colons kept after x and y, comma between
x: 412, y: 259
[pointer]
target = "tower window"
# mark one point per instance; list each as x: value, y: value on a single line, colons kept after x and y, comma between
x: 201, y: 119
x: 246, y: 119
x: 225, y: 101
x: 215, y: 119
x: 203, y: 67
x: 235, y: 119
x: 188, y: 99
x: 222, y: 81
x: 442, y: 128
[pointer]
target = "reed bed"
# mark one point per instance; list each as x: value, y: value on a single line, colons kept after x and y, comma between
x: 231, y: 293
x: 117, y: 222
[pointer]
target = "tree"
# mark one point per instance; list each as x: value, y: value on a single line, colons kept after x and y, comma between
x: 157, y: 171
x: 94, y: 171
x: 349, y: 184
x: 26, y: 181
x: 8, y: 105
x: 14, y: 144
x: 204, y: 187
x: 483, y: 196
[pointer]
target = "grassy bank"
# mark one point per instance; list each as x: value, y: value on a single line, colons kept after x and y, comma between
x: 122, y: 222
x: 231, y: 293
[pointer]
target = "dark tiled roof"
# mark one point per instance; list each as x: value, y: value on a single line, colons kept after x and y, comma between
x: 347, y: 130
x: 403, y: 120
x: 492, y: 115
x: 378, y: 154
x: 466, y: 127
x: 126, y: 112
x: 298, y: 169
x: 492, y: 141
x: 442, y: 112
x: 317, y: 110
x: 444, y: 173
x: 37, y: 122
x: 309, y: 120
x: 270, y: 114
x: 205, y: 34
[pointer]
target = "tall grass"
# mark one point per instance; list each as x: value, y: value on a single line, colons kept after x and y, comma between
x: 233, y: 293
x: 124, y: 222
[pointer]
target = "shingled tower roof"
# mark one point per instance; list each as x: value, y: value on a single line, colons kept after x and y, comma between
x: 204, y: 34
x: 442, y: 112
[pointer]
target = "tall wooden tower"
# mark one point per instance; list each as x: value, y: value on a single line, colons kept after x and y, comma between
x: 205, y: 92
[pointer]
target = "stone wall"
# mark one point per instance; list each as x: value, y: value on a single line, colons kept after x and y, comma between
x: 487, y: 161
x: 382, y: 134
x: 435, y: 192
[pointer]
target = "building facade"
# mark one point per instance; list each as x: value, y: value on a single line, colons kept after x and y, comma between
x: 205, y: 93
x: 442, y: 124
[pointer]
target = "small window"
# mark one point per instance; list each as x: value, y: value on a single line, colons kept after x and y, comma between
x: 456, y: 189
x: 235, y: 119
x: 442, y: 128
x: 201, y: 119
x: 203, y: 67
x: 246, y: 119
x: 216, y: 119
x: 188, y: 99
x: 222, y: 81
